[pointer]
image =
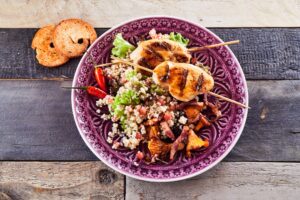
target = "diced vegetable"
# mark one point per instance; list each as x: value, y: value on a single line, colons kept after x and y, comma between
x: 121, y: 47
x: 167, y: 116
x: 138, y: 136
x: 143, y: 111
x: 140, y: 155
x: 177, y: 37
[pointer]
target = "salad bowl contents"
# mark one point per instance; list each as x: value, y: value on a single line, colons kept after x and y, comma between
x: 157, y: 103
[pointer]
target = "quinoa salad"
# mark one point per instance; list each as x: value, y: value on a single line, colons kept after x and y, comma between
x: 138, y: 104
x: 157, y: 98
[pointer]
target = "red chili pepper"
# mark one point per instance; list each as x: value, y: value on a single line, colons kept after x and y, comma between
x: 100, y: 78
x: 94, y: 91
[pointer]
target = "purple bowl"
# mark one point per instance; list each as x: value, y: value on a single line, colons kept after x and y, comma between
x: 229, y: 81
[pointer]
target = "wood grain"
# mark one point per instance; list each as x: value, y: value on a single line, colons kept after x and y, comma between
x: 59, y: 180
x: 36, y: 123
x: 213, y: 13
x: 264, y: 53
x: 227, y: 181
x: 272, y: 131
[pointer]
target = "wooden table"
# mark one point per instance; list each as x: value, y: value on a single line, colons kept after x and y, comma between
x: 41, y: 152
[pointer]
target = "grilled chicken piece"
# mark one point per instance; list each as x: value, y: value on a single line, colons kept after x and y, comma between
x: 151, y: 53
x: 184, y: 81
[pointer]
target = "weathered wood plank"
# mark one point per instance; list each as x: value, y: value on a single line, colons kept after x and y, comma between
x: 59, y: 180
x: 232, y: 181
x: 215, y: 13
x: 36, y: 123
x: 264, y: 53
x: 17, y: 59
x: 272, y: 131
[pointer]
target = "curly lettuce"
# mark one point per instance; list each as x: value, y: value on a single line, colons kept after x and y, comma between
x: 177, y: 37
x: 121, y: 47
x: 128, y: 97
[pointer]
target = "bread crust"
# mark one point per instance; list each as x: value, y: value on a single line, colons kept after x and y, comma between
x: 73, y: 36
x: 46, y: 54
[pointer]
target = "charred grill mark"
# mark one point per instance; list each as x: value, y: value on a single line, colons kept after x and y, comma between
x: 161, y: 46
x: 166, y: 45
x: 199, y: 82
x: 154, y: 53
x: 184, y: 79
x: 148, y: 52
x: 167, y: 74
x: 181, y: 58
x: 144, y: 63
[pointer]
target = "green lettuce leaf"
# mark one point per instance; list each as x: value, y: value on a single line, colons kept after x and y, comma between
x: 128, y: 97
x: 177, y: 37
x: 130, y: 74
x: 121, y: 46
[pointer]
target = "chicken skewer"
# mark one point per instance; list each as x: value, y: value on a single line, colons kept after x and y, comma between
x: 184, y: 81
x: 193, y: 49
x: 152, y: 52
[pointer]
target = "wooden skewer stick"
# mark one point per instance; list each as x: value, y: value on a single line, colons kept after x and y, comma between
x: 211, y: 93
x: 146, y: 69
x: 132, y: 64
x: 107, y: 64
x: 99, y: 65
x: 227, y: 99
x: 193, y: 49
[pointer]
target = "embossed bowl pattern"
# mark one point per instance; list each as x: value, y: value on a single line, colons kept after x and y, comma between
x: 229, y: 81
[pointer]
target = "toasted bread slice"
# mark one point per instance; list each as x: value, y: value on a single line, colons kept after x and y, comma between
x: 46, y: 54
x: 73, y: 36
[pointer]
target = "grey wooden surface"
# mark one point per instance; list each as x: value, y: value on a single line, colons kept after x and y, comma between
x: 59, y: 180
x: 37, y: 127
x: 264, y: 53
x: 36, y: 123
x: 227, y: 181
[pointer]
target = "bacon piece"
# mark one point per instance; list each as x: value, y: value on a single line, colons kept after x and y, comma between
x: 179, y: 142
x: 167, y: 130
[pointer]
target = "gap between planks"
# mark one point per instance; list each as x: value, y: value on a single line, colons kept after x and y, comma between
x: 214, y: 13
